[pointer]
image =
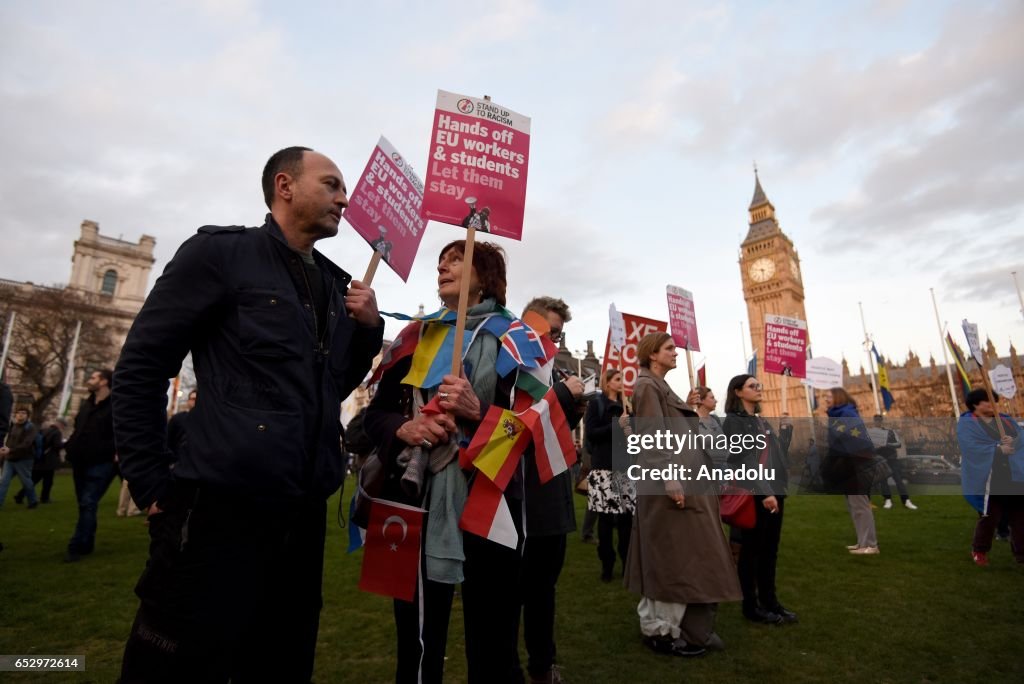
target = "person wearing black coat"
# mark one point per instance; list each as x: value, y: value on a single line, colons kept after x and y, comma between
x: 43, y: 469
x: 279, y: 335
x: 760, y: 545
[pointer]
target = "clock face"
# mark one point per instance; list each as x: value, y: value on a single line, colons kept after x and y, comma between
x: 794, y: 268
x: 761, y: 270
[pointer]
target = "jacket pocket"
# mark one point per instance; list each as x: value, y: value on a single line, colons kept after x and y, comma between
x: 270, y: 325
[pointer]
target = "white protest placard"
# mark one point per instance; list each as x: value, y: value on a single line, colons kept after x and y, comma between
x: 616, y: 327
x: 823, y: 373
x: 973, y: 341
x: 1002, y: 381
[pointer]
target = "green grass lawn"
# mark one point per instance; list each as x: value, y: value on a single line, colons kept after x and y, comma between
x: 919, y: 612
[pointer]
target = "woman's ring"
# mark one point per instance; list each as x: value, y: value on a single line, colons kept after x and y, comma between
x: 443, y: 395
x: 425, y: 443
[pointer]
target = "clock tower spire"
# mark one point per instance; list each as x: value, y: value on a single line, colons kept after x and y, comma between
x: 772, y: 284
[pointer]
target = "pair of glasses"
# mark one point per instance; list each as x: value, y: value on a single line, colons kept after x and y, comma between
x: 555, y: 334
x: 757, y: 387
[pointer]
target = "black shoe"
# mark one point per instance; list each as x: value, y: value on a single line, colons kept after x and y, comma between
x: 33, y: 505
x: 762, y: 616
x: 606, y: 576
x: 666, y: 646
x: 786, y: 614
x: 18, y: 499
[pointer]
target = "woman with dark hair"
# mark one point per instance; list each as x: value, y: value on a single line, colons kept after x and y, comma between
x: 759, y: 550
x: 709, y: 424
x: 610, y: 493
x: 419, y: 454
x: 847, y: 464
x: 679, y: 560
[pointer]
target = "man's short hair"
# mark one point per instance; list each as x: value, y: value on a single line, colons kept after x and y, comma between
x: 106, y: 374
x: 542, y: 305
x: 976, y: 396
x: 288, y: 160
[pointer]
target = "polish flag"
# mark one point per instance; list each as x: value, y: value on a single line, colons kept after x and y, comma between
x: 391, y: 561
x: 552, y: 439
x: 487, y: 515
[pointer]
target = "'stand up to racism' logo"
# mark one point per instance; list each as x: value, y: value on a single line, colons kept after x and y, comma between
x: 465, y: 105
x: 397, y: 158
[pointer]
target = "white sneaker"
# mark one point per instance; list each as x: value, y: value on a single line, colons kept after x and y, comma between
x: 888, y: 504
x: 909, y: 504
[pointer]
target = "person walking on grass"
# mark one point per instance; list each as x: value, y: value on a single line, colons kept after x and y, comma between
x: 993, y: 473
x: 18, y: 454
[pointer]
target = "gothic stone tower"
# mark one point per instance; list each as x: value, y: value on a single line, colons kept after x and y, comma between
x: 770, y: 269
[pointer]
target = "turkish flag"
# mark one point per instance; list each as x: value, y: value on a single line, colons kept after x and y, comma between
x: 391, y: 561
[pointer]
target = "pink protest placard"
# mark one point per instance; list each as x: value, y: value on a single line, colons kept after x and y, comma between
x: 385, y: 208
x: 625, y: 359
x: 785, y: 346
x: 476, y: 172
x: 681, y: 318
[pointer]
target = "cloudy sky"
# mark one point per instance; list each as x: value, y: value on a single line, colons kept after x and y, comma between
x: 888, y: 135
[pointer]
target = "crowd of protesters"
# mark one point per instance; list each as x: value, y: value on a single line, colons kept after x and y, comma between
x: 235, y: 489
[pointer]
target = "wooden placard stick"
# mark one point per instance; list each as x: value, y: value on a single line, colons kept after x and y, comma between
x: 460, y: 320
x: 371, y: 269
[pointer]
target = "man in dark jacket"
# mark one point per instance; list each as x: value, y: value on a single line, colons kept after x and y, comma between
x: 17, y: 454
x: 91, y: 453
x: 280, y: 336
x: 550, y: 516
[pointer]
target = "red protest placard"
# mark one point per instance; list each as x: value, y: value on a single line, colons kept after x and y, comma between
x: 385, y: 208
x: 636, y: 328
x: 785, y: 346
x: 682, y: 319
x: 476, y: 172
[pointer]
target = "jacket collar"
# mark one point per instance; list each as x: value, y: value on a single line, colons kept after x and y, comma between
x: 274, y: 231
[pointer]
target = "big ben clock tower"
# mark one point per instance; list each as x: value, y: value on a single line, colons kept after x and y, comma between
x: 772, y: 284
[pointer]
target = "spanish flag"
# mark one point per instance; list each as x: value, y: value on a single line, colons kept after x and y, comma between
x: 497, y: 445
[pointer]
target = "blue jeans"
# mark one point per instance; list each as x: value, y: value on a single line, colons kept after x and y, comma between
x: 91, y: 483
x: 23, y: 469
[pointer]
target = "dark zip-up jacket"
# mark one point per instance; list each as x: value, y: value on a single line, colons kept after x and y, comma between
x: 92, y: 442
x: 267, y: 422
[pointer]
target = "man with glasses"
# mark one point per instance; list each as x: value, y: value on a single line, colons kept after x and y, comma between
x: 550, y: 516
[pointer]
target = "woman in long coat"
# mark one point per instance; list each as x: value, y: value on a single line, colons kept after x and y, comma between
x: 679, y: 559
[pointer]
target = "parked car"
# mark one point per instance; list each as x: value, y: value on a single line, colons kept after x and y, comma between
x: 928, y: 469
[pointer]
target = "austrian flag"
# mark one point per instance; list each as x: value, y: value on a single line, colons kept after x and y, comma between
x: 552, y: 440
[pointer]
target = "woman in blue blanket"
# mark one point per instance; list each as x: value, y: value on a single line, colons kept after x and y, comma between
x: 848, y: 465
x: 992, y: 473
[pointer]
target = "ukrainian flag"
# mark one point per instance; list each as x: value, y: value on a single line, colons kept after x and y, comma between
x: 883, y: 380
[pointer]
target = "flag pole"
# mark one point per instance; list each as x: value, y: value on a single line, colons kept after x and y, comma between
x: 7, y: 344
x: 991, y: 394
x: 871, y: 361
x: 785, y: 384
x: 371, y: 269
x: 945, y: 357
x: 743, y: 341
x: 69, y: 375
x: 689, y: 367
x: 1019, y: 295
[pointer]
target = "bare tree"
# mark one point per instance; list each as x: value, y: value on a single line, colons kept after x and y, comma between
x: 43, y: 335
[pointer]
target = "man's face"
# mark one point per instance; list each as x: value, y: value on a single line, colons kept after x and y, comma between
x: 95, y: 382
x: 984, y: 409
x: 20, y: 417
x: 556, y: 322
x: 191, y: 400
x: 319, y: 196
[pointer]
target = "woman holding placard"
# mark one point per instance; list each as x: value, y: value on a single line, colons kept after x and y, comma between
x: 679, y: 559
x: 759, y: 550
x: 395, y: 422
